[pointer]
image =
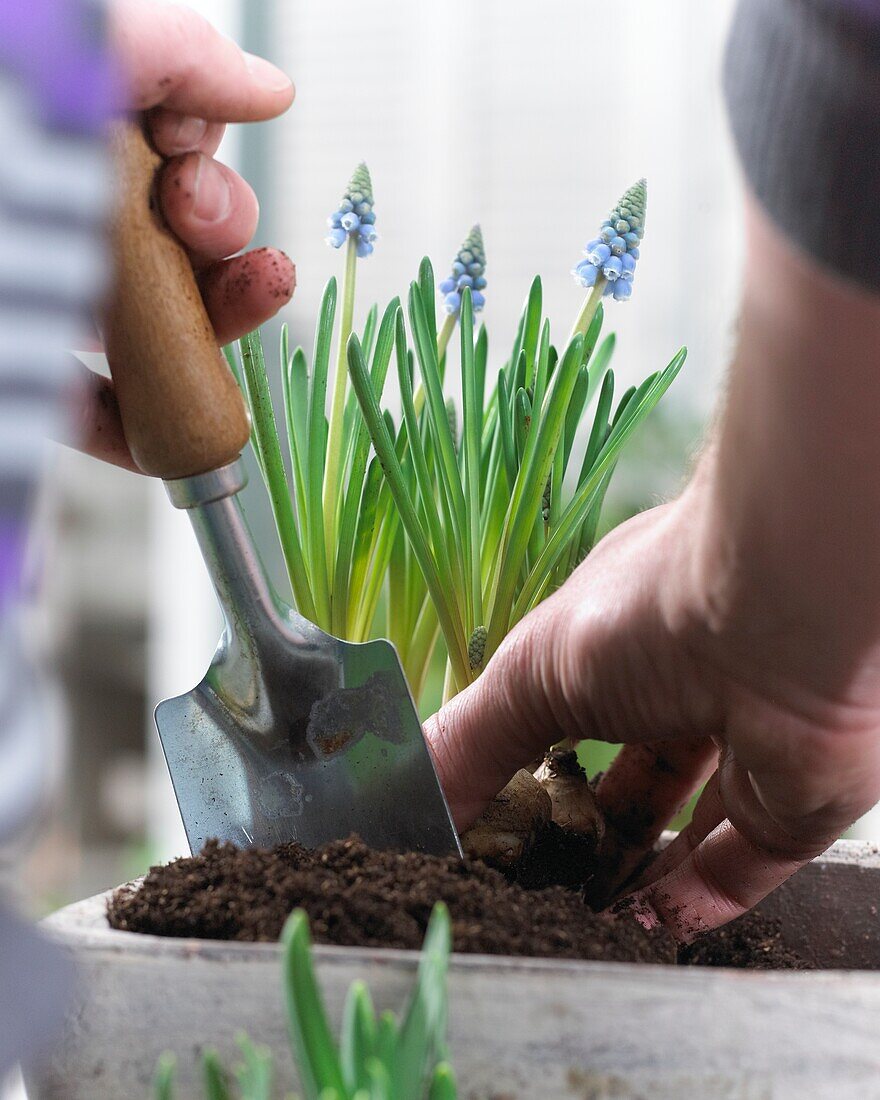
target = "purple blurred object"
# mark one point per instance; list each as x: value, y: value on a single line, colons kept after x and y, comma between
x: 866, y: 8
x: 57, y: 48
x: 58, y: 89
x: 11, y: 550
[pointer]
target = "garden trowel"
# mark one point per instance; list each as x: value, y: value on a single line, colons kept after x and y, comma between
x: 292, y: 734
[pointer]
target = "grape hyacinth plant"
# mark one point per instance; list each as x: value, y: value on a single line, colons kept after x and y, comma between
x: 376, y: 1057
x: 611, y: 258
x: 395, y: 527
x: 402, y: 526
x: 354, y: 219
x: 468, y: 270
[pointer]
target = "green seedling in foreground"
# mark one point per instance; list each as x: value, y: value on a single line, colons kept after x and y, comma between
x: 378, y: 1057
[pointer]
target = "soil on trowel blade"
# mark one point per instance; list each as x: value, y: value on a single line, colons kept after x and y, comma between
x: 359, y: 897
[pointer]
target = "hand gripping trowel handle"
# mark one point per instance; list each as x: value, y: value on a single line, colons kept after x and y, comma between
x: 182, y: 411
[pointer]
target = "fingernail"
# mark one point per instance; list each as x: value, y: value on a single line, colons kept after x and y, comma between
x: 212, y: 194
x: 265, y: 73
x: 188, y: 132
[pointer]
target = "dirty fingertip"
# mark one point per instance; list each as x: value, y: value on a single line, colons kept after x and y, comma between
x: 242, y: 293
x: 640, y: 909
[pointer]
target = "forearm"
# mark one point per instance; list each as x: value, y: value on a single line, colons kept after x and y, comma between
x: 791, y: 484
x: 790, y: 488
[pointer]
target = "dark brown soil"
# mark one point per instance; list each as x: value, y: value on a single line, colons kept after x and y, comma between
x: 558, y: 857
x: 360, y: 897
x: 752, y: 942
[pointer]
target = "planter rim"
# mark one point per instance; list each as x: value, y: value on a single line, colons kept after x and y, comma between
x: 84, y: 924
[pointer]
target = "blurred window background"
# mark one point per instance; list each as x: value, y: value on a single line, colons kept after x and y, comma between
x: 529, y: 118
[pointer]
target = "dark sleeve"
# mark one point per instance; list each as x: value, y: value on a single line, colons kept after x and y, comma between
x: 802, y: 79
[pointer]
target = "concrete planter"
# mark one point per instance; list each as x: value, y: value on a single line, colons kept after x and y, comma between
x: 543, y: 1030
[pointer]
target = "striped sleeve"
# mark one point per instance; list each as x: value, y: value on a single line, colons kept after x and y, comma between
x: 54, y: 195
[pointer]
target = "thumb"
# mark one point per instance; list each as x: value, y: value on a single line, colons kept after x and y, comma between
x: 503, y: 721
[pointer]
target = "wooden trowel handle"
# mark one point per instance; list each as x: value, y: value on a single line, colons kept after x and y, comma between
x: 182, y: 411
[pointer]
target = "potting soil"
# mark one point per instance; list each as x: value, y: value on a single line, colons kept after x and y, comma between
x: 359, y: 897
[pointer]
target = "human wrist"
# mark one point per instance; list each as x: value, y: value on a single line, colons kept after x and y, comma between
x: 785, y: 504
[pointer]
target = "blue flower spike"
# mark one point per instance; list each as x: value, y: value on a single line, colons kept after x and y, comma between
x: 468, y: 270
x: 613, y: 255
x: 354, y: 219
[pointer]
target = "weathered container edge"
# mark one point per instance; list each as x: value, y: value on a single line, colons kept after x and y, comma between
x: 518, y: 1027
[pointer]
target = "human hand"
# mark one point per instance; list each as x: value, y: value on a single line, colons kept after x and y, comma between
x: 189, y: 81
x: 644, y: 645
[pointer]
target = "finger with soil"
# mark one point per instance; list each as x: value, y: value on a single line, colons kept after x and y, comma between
x: 642, y: 791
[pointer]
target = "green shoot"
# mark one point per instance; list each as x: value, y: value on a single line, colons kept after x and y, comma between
x: 376, y: 1055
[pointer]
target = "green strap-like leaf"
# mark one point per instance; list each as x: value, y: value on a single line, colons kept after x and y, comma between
x: 295, y: 387
x: 532, y: 327
x: 450, y: 621
x: 397, y: 626
x: 556, y: 477
x: 419, y: 460
x: 381, y: 1087
x: 598, y: 364
x: 354, y: 489
x: 333, y: 452
x: 214, y: 1077
x: 255, y: 1073
x: 426, y: 287
x: 542, y: 371
x: 505, y: 426
x: 574, y: 515
x: 310, y: 1036
x: 363, y: 546
x: 601, y: 426
x: 236, y: 368
x: 423, y: 1030
x: 590, y: 525
x: 163, y: 1082
x: 522, y: 423
x: 274, y: 475
x: 357, y: 1043
x: 594, y: 329
x: 443, y: 1085
x: 481, y: 356
x: 370, y: 331
x: 472, y: 427
x: 426, y: 353
x: 381, y: 556
x: 317, y: 437
x: 525, y: 503
x: 574, y: 415
x: 421, y: 647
